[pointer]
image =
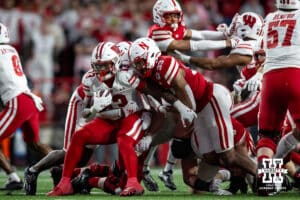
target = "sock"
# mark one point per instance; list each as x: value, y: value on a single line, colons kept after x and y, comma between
x: 286, y: 144
x: 170, y: 162
x: 149, y: 158
x: 13, y: 177
x: 74, y: 153
x: 126, y: 149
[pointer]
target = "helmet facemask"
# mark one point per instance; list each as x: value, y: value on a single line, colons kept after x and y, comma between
x: 167, y: 7
x: 105, y: 60
x: 104, y: 69
x: 170, y: 17
x: 143, y: 55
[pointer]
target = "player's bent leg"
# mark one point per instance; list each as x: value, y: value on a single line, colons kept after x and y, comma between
x: 14, y: 182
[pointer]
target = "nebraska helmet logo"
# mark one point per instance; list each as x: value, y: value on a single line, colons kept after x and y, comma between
x: 143, y: 45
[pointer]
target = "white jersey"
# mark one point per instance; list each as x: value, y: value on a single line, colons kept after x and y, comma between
x: 125, y: 95
x: 282, y: 40
x: 12, y: 79
x: 247, y: 48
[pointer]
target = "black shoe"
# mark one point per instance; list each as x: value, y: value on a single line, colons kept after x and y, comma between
x: 56, y: 174
x: 286, y: 185
x: 167, y: 179
x: 238, y: 183
x: 80, y: 183
x: 265, y: 189
x: 30, y: 181
x: 149, y: 182
x: 296, y: 177
x: 14, y: 185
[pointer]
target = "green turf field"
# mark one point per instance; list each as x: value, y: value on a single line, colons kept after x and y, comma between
x: 182, y: 192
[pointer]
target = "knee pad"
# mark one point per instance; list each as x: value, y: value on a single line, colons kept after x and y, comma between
x: 181, y: 148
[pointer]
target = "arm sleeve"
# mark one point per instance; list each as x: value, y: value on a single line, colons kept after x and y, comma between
x: 207, y: 35
x: 164, y: 44
x: 206, y: 45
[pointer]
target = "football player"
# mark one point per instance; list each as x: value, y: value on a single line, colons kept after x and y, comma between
x: 21, y: 106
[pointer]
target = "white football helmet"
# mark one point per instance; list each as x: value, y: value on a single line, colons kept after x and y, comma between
x: 4, y: 38
x: 124, y: 50
x: 162, y: 7
x: 247, y: 25
x: 105, y: 60
x: 144, y: 50
x: 288, y: 4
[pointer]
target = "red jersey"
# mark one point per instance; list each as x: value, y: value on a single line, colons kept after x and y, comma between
x: 166, y: 70
x: 163, y: 36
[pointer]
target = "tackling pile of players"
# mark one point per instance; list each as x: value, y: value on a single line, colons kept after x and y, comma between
x: 141, y: 94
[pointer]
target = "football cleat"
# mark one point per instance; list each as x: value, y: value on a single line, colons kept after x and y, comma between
x: 149, y: 182
x: 238, y: 183
x: 167, y: 179
x: 296, y: 178
x: 13, y: 185
x: 221, y: 192
x: 30, y: 181
x: 81, y: 183
x: 133, y: 189
x: 63, y: 188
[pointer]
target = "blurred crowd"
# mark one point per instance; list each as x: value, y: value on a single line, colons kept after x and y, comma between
x: 55, y: 38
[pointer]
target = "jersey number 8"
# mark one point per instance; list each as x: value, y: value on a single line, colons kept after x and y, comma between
x: 17, y: 65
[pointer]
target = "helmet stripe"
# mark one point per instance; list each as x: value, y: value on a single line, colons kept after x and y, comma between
x: 99, y: 50
x: 174, y: 3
